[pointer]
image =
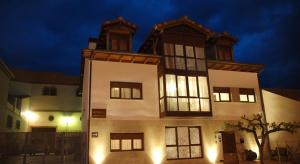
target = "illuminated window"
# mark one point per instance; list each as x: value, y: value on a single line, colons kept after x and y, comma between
x: 125, y: 90
x: 126, y: 141
x: 247, y: 95
x: 222, y: 94
x: 179, y: 50
x: 49, y: 91
x: 183, y: 142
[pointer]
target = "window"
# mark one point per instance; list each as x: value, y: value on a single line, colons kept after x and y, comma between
x: 183, y: 142
x: 222, y: 94
x: 18, y: 124
x: 119, y: 42
x: 49, y: 91
x: 125, y: 90
x: 126, y: 141
x: 187, y: 93
x: 184, y: 57
x: 9, y: 121
x: 247, y: 95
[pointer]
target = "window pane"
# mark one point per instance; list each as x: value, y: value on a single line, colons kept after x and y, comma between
x: 114, y: 44
x: 123, y: 45
x: 205, y: 105
x: 195, y: 151
x: 115, y: 144
x: 216, y: 97
x: 171, y: 85
x: 179, y: 50
x: 126, y: 93
x: 183, y: 136
x: 183, y: 104
x: 251, y: 98
x: 162, y: 105
x: 126, y: 144
x: 193, y: 86
x: 115, y: 92
x: 243, y: 98
x: 191, y: 65
x: 201, y: 65
x: 136, y: 93
x: 171, y: 152
x: 170, y: 63
x: 203, y: 88
x: 189, y: 50
x: 194, y: 135
x: 180, y: 63
x: 181, y: 80
x: 170, y: 136
x: 184, y: 152
x: 194, y: 104
x: 169, y: 50
x: 137, y: 144
x: 172, y: 104
x: 161, y: 86
x: 200, y: 52
x: 224, y: 96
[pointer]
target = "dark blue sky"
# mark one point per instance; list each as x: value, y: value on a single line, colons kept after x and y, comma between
x: 49, y: 35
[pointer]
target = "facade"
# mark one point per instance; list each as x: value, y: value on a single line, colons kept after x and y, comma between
x: 282, y: 105
x: 169, y: 102
x: 40, y: 102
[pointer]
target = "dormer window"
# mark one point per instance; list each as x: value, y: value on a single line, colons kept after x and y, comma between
x: 119, y: 42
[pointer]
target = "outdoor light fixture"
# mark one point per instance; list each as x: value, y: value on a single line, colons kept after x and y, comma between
x: 29, y: 116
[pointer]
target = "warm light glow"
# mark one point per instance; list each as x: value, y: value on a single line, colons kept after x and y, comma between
x: 29, y: 116
x: 68, y: 120
x: 98, y: 155
x: 157, y: 155
x: 254, y: 148
x: 212, y: 154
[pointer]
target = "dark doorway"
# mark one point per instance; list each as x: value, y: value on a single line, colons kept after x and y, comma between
x: 43, y: 129
x: 229, y: 148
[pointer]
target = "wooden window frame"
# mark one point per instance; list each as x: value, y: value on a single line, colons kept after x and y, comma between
x: 49, y: 91
x: 119, y: 37
x: 220, y: 90
x: 248, y: 92
x: 126, y: 136
x: 131, y: 85
x: 189, y: 145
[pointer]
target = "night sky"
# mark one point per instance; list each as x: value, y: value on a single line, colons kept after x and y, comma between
x: 49, y: 35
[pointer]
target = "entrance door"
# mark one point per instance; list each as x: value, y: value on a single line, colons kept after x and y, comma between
x: 43, y: 139
x: 229, y: 148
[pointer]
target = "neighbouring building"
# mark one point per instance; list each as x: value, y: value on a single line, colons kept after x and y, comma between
x: 169, y: 102
x: 282, y: 105
x: 39, y: 101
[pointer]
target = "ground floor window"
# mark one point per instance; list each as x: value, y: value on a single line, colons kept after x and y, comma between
x: 183, y: 142
x: 126, y: 141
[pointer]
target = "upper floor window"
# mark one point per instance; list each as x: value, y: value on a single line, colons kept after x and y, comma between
x: 247, y: 95
x: 126, y: 90
x: 224, y: 53
x: 184, y: 57
x: 183, y: 142
x: 9, y: 121
x: 119, y: 42
x: 222, y: 94
x: 187, y: 93
x: 126, y: 141
x: 49, y: 91
x: 18, y: 124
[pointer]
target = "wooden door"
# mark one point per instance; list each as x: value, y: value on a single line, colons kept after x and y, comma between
x: 229, y: 148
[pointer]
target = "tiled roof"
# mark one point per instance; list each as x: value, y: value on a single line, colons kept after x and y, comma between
x: 45, y: 77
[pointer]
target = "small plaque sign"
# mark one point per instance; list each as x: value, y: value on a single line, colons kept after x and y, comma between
x: 94, y: 134
x: 98, y: 113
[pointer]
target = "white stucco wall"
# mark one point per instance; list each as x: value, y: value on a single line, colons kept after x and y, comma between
x: 234, y: 110
x: 105, y: 72
x: 278, y: 109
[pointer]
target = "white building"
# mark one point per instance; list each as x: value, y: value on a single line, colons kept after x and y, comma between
x: 169, y: 102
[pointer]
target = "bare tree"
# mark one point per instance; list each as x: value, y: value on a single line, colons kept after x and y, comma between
x: 260, y: 129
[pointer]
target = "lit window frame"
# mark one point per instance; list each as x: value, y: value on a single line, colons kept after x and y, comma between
x: 247, y: 92
x: 189, y: 145
x: 127, y: 136
x: 218, y: 91
x: 126, y: 85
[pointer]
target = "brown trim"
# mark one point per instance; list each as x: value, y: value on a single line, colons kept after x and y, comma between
x: 187, y: 113
x: 220, y: 90
x: 126, y: 136
x: 232, y: 66
x: 189, y: 144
